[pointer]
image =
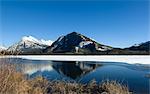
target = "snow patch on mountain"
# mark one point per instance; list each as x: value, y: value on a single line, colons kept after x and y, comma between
x: 104, y: 48
x: 84, y: 43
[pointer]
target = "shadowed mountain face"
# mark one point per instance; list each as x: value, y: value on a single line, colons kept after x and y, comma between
x: 76, y: 43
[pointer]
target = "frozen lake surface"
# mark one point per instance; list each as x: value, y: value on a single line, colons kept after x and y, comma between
x: 131, y: 59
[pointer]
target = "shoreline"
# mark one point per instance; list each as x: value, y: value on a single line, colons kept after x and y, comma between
x: 134, y: 59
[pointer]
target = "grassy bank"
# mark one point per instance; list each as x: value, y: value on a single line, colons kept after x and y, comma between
x: 13, y: 82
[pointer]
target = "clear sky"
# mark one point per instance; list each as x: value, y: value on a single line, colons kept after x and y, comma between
x: 118, y: 23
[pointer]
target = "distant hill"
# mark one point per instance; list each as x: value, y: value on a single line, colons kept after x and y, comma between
x: 138, y: 49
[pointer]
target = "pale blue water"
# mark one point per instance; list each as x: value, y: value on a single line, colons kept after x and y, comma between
x: 134, y: 76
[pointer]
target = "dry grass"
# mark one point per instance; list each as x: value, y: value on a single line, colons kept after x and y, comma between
x: 113, y: 87
x: 13, y: 82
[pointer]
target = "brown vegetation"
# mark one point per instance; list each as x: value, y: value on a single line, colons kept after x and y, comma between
x: 13, y: 82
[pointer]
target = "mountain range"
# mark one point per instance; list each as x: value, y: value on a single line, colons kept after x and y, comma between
x: 72, y: 43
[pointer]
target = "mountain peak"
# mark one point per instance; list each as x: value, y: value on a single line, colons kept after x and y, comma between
x: 29, y: 38
x: 73, y: 32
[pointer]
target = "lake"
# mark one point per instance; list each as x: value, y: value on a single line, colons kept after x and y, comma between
x: 132, y: 75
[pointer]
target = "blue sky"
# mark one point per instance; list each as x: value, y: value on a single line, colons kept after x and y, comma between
x: 119, y: 23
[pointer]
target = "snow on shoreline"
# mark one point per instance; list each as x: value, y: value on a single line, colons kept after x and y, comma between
x: 131, y: 59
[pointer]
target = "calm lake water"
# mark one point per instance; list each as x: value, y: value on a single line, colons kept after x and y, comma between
x: 132, y: 75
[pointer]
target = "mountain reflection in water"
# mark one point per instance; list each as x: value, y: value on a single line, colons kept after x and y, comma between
x: 69, y: 69
x: 74, y: 69
x: 132, y: 75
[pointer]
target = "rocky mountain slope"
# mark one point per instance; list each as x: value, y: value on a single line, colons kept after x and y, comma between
x: 76, y: 43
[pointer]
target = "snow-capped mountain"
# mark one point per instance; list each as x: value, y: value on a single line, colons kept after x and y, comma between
x: 29, y: 44
x: 2, y: 48
x: 76, y: 43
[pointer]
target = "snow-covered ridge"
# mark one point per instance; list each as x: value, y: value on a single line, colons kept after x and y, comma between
x: 32, y: 39
x: 2, y: 48
x: 29, y: 38
x: 29, y: 42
